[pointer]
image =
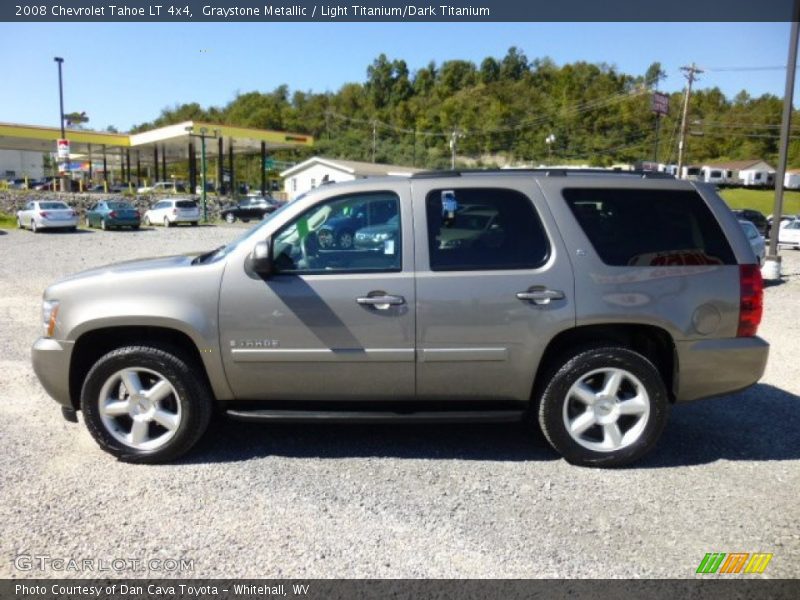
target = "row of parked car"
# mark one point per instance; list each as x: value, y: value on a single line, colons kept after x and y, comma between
x: 114, y: 214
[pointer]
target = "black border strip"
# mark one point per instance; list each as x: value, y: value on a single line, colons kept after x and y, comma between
x: 395, y: 11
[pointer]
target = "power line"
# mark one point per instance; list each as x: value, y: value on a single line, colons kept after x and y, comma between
x: 742, y: 69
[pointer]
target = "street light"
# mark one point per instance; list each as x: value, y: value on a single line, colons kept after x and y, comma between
x: 550, y: 140
x: 202, y: 135
x: 60, y: 61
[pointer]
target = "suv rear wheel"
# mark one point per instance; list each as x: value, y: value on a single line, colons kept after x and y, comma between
x: 142, y: 404
x: 604, y: 407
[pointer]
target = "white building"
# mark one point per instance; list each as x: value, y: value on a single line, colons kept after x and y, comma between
x: 21, y: 163
x: 792, y: 179
x: 315, y: 171
x: 753, y: 172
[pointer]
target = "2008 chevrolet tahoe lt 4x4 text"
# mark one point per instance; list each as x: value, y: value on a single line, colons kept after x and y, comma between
x: 586, y: 303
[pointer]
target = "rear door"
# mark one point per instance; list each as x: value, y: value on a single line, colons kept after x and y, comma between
x: 494, y: 285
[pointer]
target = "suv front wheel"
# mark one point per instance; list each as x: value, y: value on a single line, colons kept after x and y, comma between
x: 604, y: 407
x: 143, y: 404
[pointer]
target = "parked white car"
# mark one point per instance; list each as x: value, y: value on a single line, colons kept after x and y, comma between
x: 171, y: 211
x: 789, y: 234
x: 47, y: 214
x: 756, y: 240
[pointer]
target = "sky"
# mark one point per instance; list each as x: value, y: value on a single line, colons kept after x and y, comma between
x: 122, y: 74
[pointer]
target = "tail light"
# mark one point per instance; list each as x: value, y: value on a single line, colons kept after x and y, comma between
x: 73, y: 213
x: 44, y: 215
x: 174, y: 211
x: 751, y: 300
x: 113, y: 214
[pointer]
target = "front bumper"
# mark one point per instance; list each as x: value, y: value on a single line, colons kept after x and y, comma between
x: 51, y: 364
x: 721, y: 366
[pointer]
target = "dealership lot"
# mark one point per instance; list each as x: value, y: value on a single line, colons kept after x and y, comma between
x: 386, y: 501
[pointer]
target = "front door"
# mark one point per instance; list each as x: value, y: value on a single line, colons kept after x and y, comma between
x: 331, y: 323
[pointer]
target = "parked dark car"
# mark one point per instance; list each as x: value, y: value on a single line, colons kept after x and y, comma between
x: 113, y: 213
x: 340, y: 228
x: 253, y: 208
x: 755, y: 217
x: 121, y: 188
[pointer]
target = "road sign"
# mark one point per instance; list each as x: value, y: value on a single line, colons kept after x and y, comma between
x: 660, y: 103
x: 62, y: 149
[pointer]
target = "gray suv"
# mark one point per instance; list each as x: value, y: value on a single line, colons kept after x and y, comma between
x: 583, y: 303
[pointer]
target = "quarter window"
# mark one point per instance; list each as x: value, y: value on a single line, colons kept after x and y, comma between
x: 354, y: 233
x: 473, y: 229
x: 630, y: 227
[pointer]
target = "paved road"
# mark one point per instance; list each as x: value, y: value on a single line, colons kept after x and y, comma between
x: 388, y: 501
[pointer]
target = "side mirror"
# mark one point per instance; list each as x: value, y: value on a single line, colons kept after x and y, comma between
x: 261, y: 258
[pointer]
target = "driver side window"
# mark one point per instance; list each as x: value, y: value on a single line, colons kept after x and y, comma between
x: 353, y: 233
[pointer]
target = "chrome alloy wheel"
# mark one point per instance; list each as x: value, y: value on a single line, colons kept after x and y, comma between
x: 606, y: 410
x: 140, y: 408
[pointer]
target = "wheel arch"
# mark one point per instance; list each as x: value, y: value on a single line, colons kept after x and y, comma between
x: 651, y: 341
x: 91, y: 345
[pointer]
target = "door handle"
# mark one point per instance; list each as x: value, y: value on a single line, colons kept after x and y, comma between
x: 380, y: 300
x: 540, y: 295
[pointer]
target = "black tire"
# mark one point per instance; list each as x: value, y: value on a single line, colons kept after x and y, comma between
x: 194, y: 223
x: 555, y: 406
x: 193, y: 394
x: 345, y: 240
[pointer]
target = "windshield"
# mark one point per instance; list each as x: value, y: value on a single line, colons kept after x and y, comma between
x: 254, y: 232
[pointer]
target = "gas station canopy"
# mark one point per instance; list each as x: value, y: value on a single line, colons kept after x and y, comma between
x: 172, y: 142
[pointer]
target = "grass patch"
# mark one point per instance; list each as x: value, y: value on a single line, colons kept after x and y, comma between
x: 761, y: 200
x: 7, y: 221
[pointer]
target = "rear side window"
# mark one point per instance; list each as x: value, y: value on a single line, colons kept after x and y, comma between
x: 630, y: 227
x: 475, y: 229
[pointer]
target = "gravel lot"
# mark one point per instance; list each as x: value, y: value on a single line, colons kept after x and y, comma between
x: 388, y: 501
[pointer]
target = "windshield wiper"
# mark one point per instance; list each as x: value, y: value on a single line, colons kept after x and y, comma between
x: 201, y: 258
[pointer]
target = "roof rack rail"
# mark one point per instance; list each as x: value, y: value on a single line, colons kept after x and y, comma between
x: 547, y: 172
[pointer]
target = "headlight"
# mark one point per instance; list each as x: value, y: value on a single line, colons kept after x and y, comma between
x: 382, y: 237
x: 49, y: 314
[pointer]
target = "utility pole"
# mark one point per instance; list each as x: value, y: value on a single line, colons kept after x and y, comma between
x: 374, y: 138
x: 690, y: 74
x: 453, y: 143
x: 772, y: 263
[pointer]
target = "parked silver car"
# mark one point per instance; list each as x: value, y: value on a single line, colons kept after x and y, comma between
x: 47, y: 214
x: 757, y: 242
x: 587, y: 305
